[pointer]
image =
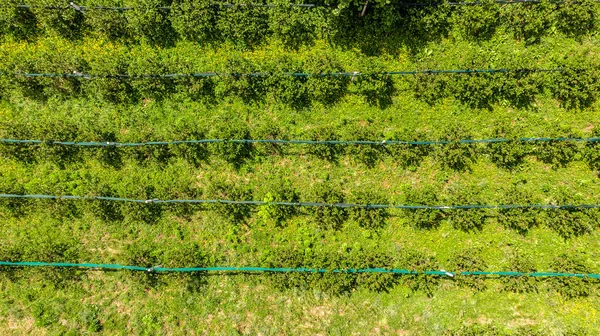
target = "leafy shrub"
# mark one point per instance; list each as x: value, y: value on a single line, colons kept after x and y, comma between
x: 557, y: 153
x: 279, y: 191
x: 578, y: 84
x: 234, y: 81
x: 151, y: 21
x: 431, y: 88
x: 591, y: 154
x: 471, y: 219
x: 270, y: 130
x: 328, y: 217
x: 530, y: 22
x: 328, y: 282
x: 571, y: 287
x: 246, y: 26
x: 18, y: 22
x: 508, y: 154
x: 148, y: 212
x: 455, y: 155
x: 144, y: 253
x: 195, y: 20
x: 520, y: 284
x: 105, y: 210
x: 418, y: 261
x: 285, y: 88
x: 374, y: 85
x: 294, y: 26
x: 377, y: 282
x: 367, y: 154
x: 521, y: 86
x: 479, y: 21
x: 328, y: 152
x: 62, y: 61
x: 571, y: 222
x: 111, y: 24
x: 520, y: 219
x: 113, y: 89
x: 322, y: 87
x: 369, y: 218
x: 158, y: 88
x: 424, y: 24
x: 577, y: 18
x: 232, y: 152
x: 423, y: 218
x: 469, y: 260
x: 235, y: 213
x: 477, y: 90
x: 409, y: 156
x: 62, y: 20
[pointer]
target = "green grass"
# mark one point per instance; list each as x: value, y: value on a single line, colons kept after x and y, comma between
x: 50, y: 301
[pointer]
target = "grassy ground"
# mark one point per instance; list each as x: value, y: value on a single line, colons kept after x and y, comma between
x: 60, y: 302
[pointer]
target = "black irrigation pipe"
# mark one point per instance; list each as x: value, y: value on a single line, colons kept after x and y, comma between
x: 76, y: 74
x: 289, y: 142
x: 305, y: 204
x: 82, y: 9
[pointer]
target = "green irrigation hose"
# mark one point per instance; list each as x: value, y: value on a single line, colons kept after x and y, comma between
x: 228, y: 269
x: 293, y: 74
x: 403, y: 4
x: 307, y: 204
x: 286, y: 142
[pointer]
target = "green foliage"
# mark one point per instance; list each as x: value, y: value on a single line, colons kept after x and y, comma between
x: 236, y: 82
x: 327, y: 217
x: 578, y: 18
x: 408, y: 156
x: 90, y: 318
x: 369, y: 155
x: 368, y: 218
x: 469, y: 260
x: 423, y: 218
x: 509, y: 154
x: 571, y: 287
x: 325, y: 89
x: 286, y: 89
x: 151, y: 22
x: 520, y: 284
x: 232, y: 152
x: 294, y: 26
x: 235, y: 213
x: 18, y: 22
x: 478, y: 21
x: 578, y: 84
x: 246, y: 26
x: 330, y: 282
x: 111, y: 24
x: 455, y: 155
x: 467, y: 219
x: 195, y: 20
x: 328, y: 152
x: 592, y: 154
x: 530, y: 22
x: 377, y: 282
x: 278, y: 191
x: 65, y: 23
x: 557, y: 153
x: 376, y: 87
x: 520, y: 219
x: 418, y: 261
x: 571, y: 222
